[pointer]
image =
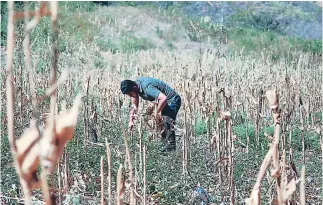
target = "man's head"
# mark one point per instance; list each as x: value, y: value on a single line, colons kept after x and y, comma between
x: 129, y: 87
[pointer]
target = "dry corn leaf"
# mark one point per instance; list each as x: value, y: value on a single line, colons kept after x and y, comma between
x: 275, y: 171
x: 28, y: 150
x: 272, y: 99
x: 288, y: 190
x: 255, y: 194
x: 53, y: 143
x: 254, y: 197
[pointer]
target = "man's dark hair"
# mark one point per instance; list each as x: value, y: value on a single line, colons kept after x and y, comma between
x: 127, y: 86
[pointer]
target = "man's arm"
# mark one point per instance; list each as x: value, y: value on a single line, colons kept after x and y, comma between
x: 162, y: 99
x: 157, y: 95
x: 135, y: 103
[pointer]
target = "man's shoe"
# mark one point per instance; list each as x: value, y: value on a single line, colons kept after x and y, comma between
x: 169, y: 143
x: 169, y: 148
x: 168, y: 137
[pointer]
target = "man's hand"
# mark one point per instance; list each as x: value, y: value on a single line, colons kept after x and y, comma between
x: 135, y: 103
x: 131, y: 125
x: 162, y: 99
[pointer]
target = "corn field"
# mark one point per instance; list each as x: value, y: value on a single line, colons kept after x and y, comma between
x: 65, y: 126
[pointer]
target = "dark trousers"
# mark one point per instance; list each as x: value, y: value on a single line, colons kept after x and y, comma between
x: 169, y: 114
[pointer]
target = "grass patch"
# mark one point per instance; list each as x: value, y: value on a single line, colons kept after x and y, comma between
x: 77, y: 6
x: 169, y: 45
x: 201, y: 127
x: 253, y: 39
x: 311, y: 140
x: 127, y: 43
x: 130, y: 43
x: 278, y: 46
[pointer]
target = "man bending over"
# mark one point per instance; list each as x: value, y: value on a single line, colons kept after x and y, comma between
x: 169, y: 102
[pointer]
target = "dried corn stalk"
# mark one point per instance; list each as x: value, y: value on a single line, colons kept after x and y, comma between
x: 255, y: 198
x: 302, y: 187
x: 120, y: 186
x: 109, y: 170
x: 283, y: 192
x: 33, y: 147
x: 159, y: 119
x: 28, y: 150
x: 53, y: 143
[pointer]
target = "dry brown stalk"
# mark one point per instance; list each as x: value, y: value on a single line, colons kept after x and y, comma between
x: 259, y: 105
x: 86, y: 113
x: 32, y: 148
x: 218, y: 143
x: 283, y: 166
x: 284, y: 190
x: 135, y: 177
x: 59, y: 183
x: 45, y: 190
x: 54, y: 87
x: 156, y: 122
x: 66, y: 168
x: 303, y: 127
x: 53, y: 142
x: 29, y: 27
x: 9, y: 84
x: 120, y: 186
x: 54, y: 8
x: 275, y: 171
x: 140, y: 144
x: 184, y: 148
x: 302, y: 187
x: 255, y: 198
x: 128, y: 159
x: 230, y: 173
x: 28, y: 158
x: 247, y: 136
x: 291, y: 157
x: 51, y: 129
x: 283, y: 193
x: 109, y: 170
x: 145, y: 177
x: 102, y: 181
x: 10, y: 100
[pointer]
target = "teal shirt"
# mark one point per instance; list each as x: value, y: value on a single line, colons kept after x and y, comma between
x: 151, y: 87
